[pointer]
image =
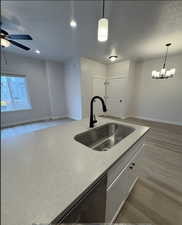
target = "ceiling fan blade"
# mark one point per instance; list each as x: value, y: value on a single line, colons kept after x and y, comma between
x: 20, y: 37
x: 4, y: 32
x: 19, y: 45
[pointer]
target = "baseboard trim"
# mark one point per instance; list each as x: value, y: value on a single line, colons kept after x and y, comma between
x: 156, y: 120
x: 45, y: 119
x: 59, y: 117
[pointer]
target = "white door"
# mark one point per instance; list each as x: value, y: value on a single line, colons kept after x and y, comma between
x: 116, y: 92
x: 99, y: 90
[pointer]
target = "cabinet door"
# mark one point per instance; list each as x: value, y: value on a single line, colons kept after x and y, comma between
x: 120, y: 189
x: 117, y: 193
x: 130, y: 174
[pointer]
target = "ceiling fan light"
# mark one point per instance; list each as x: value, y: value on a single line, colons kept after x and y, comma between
x: 5, y: 43
x: 103, y: 30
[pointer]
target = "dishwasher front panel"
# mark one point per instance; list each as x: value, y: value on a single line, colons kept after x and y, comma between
x: 91, y: 208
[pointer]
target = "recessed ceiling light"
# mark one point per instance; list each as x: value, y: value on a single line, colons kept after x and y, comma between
x: 113, y: 58
x: 73, y: 23
x: 37, y: 51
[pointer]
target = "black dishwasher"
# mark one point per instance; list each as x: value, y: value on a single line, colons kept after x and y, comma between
x: 90, y: 208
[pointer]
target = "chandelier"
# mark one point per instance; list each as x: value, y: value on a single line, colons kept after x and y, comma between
x: 164, y: 73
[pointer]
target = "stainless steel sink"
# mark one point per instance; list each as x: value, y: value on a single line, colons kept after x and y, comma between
x: 104, y: 137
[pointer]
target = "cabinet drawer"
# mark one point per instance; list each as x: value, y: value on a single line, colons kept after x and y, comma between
x: 118, y: 192
x: 121, y: 163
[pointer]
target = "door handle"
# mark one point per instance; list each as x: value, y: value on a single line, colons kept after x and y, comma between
x: 120, y: 100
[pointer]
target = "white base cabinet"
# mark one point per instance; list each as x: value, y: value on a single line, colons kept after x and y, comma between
x: 119, y: 189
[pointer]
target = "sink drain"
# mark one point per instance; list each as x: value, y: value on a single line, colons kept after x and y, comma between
x: 105, y: 149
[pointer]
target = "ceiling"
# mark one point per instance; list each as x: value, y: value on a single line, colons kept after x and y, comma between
x: 137, y: 29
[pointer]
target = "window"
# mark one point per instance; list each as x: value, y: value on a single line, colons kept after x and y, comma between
x: 14, y: 93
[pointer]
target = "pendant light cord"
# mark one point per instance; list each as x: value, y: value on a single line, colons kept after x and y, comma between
x: 103, y: 7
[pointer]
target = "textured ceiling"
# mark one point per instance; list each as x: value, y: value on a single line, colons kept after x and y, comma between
x: 137, y: 29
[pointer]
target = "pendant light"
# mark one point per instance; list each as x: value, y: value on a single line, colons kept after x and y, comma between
x: 164, y: 73
x: 103, y: 26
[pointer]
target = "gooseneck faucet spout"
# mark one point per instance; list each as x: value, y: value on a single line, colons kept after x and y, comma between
x: 92, y: 116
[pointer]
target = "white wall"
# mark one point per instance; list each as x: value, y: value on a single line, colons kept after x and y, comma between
x: 57, y: 91
x: 89, y: 69
x: 159, y: 100
x: 118, y: 69
x: 73, y: 88
x: 55, y: 77
x: 37, y: 82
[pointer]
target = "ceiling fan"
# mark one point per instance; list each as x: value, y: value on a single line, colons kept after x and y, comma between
x: 8, y: 39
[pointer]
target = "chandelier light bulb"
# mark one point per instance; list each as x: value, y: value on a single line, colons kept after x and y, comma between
x: 157, y: 74
x: 163, y: 71
x: 173, y: 71
x: 168, y: 73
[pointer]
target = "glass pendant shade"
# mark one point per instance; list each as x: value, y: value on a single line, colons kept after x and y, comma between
x: 103, y: 30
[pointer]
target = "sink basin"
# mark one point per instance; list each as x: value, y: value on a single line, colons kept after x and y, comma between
x: 104, y: 137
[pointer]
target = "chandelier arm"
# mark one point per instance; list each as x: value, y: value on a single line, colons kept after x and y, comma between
x: 165, y: 60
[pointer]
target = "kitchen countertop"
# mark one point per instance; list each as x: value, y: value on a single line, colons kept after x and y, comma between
x: 43, y: 172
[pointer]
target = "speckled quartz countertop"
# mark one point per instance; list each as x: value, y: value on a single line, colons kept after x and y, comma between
x: 43, y: 172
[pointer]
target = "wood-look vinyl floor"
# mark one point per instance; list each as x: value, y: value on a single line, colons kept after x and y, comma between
x: 157, y: 196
